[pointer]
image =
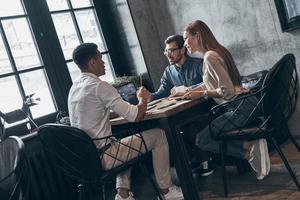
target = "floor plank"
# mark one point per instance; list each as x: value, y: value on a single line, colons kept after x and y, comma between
x: 278, y: 185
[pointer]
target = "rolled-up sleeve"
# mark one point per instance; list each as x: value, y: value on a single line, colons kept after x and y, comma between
x: 112, y: 100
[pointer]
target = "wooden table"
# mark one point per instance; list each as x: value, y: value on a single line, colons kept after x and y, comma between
x: 171, y: 119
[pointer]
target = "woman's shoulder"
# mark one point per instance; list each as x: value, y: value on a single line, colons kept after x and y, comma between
x: 211, y: 55
x: 213, y: 60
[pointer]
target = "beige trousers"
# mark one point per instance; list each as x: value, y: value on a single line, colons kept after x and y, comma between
x: 156, y: 142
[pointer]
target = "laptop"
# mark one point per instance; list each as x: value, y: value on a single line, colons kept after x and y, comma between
x: 128, y: 93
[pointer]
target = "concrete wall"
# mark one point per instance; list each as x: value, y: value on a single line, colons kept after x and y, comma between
x: 249, y: 29
x: 127, y: 36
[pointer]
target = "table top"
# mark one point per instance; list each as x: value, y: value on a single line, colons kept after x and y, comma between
x: 162, y: 108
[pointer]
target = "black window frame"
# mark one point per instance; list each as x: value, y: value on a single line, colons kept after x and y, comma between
x: 54, y: 63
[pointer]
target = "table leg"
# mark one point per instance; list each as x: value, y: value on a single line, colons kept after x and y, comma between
x: 182, y: 166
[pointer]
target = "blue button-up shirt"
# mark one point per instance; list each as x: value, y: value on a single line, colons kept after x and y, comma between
x: 189, y: 74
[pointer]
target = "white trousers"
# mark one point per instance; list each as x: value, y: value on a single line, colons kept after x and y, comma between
x: 156, y: 142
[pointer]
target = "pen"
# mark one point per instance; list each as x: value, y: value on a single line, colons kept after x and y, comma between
x: 141, y: 80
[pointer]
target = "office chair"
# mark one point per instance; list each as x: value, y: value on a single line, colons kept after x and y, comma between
x: 12, y: 167
x: 79, y: 158
x: 265, y: 117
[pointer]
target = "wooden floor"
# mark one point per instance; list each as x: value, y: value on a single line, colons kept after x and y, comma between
x: 278, y: 185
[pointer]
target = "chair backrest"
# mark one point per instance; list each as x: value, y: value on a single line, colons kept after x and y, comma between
x: 255, y: 80
x: 12, y: 163
x: 281, y: 91
x: 273, y: 104
x: 76, y: 153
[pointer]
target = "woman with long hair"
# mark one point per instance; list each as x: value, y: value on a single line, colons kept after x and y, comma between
x: 222, y: 82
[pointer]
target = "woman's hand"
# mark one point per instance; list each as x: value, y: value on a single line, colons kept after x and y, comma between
x: 193, y: 95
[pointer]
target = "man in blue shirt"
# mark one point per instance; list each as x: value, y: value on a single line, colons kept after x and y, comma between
x: 186, y: 71
x: 183, y: 70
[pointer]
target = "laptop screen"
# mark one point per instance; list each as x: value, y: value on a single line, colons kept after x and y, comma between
x: 128, y: 93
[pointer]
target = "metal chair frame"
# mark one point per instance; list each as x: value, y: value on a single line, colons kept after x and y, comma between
x: 84, y: 166
x: 269, y: 115
x: 12, y: 167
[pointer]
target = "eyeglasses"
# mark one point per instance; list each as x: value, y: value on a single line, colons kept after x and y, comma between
x: 170, y: 51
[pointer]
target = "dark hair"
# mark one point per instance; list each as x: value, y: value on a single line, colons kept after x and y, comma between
x: 175, y: 38
x: 83, y: 53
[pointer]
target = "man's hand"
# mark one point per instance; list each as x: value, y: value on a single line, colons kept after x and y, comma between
x: 143, y: 94
x: 178, y: 91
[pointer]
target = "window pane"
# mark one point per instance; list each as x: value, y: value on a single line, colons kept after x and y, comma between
x: 57, y: 5
x: 10, y: 97
x: 5, y: 66
x: 80, y: 3
x: 89, y: 28
x: 21, y: 43
x: 108, y: 69
x: 35, y: 82
x: 10, y: 7
x: 66, y: 33
x: 73, y: 70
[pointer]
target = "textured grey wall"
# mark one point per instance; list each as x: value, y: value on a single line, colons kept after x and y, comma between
x: 249, y: 29
x: 128, y: 35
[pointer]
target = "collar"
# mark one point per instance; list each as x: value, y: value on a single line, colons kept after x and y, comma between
x: 90, y: 75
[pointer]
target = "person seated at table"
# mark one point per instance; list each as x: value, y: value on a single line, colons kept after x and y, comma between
x: 89, y: 102
x: 183, y: 72
x: 222, y: 82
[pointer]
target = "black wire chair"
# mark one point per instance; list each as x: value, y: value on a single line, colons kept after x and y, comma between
x: 12, y: 167
x: 80, y: 160
x: 265, y: 112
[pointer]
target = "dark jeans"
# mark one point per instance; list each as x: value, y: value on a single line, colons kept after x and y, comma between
x: 232, y: 119
x: 190, y: 132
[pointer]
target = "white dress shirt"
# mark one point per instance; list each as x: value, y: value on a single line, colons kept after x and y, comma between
x: 90, y: 101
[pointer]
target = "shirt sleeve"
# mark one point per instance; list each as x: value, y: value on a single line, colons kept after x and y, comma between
x: 217, y: 70
x: 165, y: 87
x: 112, y: 100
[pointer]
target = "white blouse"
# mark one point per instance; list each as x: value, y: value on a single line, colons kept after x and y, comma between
x: 216, y: 77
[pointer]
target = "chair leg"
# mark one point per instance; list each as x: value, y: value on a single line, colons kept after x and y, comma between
x: 103, y: 192
x: 154, y: 184
x: 294, y: 141
x: 285, y: 161
x: 80, y: 189
x: 223, y: 149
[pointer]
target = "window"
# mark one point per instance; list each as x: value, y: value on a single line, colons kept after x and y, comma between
x: 33, y: 61
x: 22, y: 71
x: 75, y: 22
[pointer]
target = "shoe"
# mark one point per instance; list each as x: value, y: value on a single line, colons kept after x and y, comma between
x: 174, y: 193
x: 204, y: 168
x: 259, y: 158
x: 130, y: 197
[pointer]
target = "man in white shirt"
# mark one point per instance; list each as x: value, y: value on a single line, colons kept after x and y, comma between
x: 90, y: 101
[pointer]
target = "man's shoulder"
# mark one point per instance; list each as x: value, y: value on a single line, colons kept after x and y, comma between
x: 169, y: 68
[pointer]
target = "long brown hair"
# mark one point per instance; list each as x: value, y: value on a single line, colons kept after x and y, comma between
x: 209, y: 42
